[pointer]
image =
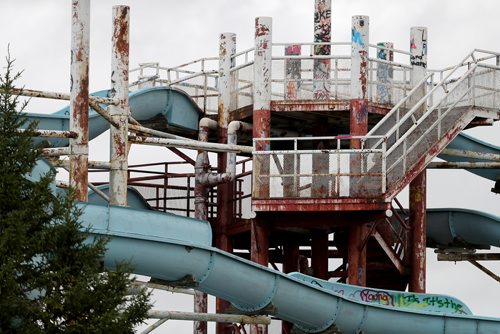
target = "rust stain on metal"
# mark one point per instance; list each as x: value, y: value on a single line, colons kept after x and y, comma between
x: 261, y: 29
x: 363, y: 73
x: 120, y: 32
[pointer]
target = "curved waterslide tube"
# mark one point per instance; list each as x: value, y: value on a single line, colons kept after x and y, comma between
x: 462, y: 228
x: 404, y: 300
x: 162, y: 108
x: 173, y: 249
x: 468, y: 143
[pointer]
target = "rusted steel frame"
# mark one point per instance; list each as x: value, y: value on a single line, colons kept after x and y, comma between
x: 485, y: 270
x: 356, y: 255
x: 418, y: 233
x: 467, y: 257
x: 99, y: 192
x: 156, y: 133
x: 395, y: 260
x: 157, y: 164
x: 369, y: 234
x: 120, y: 113
x: 471, y: 154
x: 103, y: 112
x: 54, y: 133
x: 319, y: 254
x: 322, y: 34
x: 465, y: 165
x: 182, y: 155
x: 235, y: 318
x: 91, y: 164
x: 79, y: 98
x: 59, y: 96
x: 191, y: 144
x: 55, y: 151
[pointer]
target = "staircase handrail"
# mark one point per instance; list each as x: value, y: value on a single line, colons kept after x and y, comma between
x: 431, y: 109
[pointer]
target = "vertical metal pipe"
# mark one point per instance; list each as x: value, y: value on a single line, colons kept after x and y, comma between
x: 418, y: 193
x: 262, y: 100
x: 120, y: 112
x: 359, y: 77
x: 259, y: 253
x: 225, y: 212
x: 384, y: 73
x: 322, y: 34
x: 292, y: 73
x: 79, y: 97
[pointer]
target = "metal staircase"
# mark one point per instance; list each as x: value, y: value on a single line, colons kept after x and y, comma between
x: 432, y: 114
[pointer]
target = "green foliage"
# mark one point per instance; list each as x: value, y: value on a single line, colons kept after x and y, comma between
x: 51, y: 276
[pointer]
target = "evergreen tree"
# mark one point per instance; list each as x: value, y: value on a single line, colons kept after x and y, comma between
x: 51, y: 280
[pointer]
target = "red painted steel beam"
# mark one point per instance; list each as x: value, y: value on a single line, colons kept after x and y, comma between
x: 319, y: 254
x: 418, y: 192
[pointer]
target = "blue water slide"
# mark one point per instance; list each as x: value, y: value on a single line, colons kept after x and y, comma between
x: 178, y: 250
x: 173, y: 249
x: 161, y: 108
x: 468, y: 143
x: 462, y: 228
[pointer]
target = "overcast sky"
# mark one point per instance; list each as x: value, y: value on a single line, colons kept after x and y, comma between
x: 173, y: 32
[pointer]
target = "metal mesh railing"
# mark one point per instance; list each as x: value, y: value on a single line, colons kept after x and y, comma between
x: 432, y: 111
x: 316, y: 167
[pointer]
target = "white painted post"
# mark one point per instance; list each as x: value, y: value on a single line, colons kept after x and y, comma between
x: 79, y: 98
x: 120, y: 112
x: 418, y: 186
x: 262, y: 100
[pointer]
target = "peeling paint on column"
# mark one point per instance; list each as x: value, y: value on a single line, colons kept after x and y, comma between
x: 359, y: 76
x: 79, y: 97
x: 119, y: 113
x: 359, y: 56
x: 292, y: 72
x: 322, y: 34
x: 384, y: 73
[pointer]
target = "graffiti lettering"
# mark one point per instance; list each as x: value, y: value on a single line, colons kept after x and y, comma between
x: 379, y: 297
x: 356, y: 37
x: 416, y: 60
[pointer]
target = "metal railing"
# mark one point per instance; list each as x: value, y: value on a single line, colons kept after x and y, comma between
x: 388, y: 81
x: 167, y: 189
x: 317, y: 167
x: 415, y: 125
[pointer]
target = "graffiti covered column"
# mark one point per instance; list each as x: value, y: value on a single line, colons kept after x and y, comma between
x: 418, y: 193
x: 322, y: 34
x: 227, y: 49
x: 120, y: 112
x: 359, y: 77
x: 384, y: 72
x: 259, y: 251
x: 79, y: 98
